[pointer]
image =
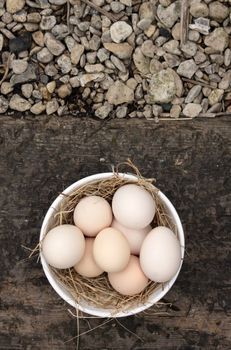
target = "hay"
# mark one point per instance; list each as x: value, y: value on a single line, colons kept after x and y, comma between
x: 98, y: 291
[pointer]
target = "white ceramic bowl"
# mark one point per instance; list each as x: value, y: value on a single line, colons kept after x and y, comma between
x: 64, y: 294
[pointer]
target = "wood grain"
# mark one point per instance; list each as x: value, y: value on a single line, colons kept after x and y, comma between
x: 191, y: 162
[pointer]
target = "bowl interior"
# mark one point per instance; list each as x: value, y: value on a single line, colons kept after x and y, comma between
x: 159, y: 292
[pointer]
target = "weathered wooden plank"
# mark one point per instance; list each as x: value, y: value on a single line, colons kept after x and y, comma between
x: 191, y: 162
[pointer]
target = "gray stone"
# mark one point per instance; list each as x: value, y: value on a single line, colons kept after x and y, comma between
x: 215, y: 96
x: 148, y: 49
x: 225, y: 81
x: 169, y: 15
x: 103, y: 54
x: 147, y: 11
x: 76, y: 53
x: 118, y: 64
x: 38, y: 108
x: 189, y: 48
x: 123, y: 50
x: 117, y: 6
x: 6, y: 88
x: 13, y: 6
x: 52, y: 106
x: 162, y: 87
x: 83, y: 26
x: 94, y: 43
x: 27, y: 76
x: 126, y: 2
x: 19, y: 66
x: 20, y: 16
x: 94, y: 68
x: 3, y: 104
x: 64, y: 63
x: 171, y: 60
x: 157, y: 110
x: 172, y: 47
x: 192, y: 110
x: 44, y: 55
x: 119, y: 31
x: 74, y: 81
x: 218, y: 11
x: 121, y: 111
x: 187, y: 68
x: 19, y: 104
x: 51, y: 70
x: 119, y: 93
x: 193, y: 35
x: 218, y: 40
x: 227, y: 57
x: 199, y: 9
x: 27, y: 90
x: 39, y: 4
x: 141, y: 62
x: 103, y: 111
x: 38, y: 38
x: 155, y: 66
x: 34, y: 17
x: 87, y: 78
x: 91, y: 57
x: 60, y: 30
x: 144, y: 24
x: 47, y: 22
x: 193, y: 93
x: 58, y: 2
x: 53, y: 45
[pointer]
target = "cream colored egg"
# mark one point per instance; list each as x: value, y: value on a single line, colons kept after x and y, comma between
x: 135, y: 237
x: 160, y: 254
x: 87, y: 266
x: 131, y: 280
x: 111, y: 250
x: 92, y: 214
x: 133, y: 206
x: 63, y: 246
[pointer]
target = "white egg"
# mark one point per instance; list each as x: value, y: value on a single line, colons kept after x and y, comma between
x: 63, y: 246
x: 160, y: 254
x: 133, y: 206
x: 134, y: 237
x: 92, y: 214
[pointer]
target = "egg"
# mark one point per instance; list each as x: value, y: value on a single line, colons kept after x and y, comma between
x: 92, y: 214
x: 134, y: 237
x: 133, y: 206
x: 131, y: 280
x: 63, y: 246
x: 111, y: 250
x: 160, y: 254
x: 87, y: 266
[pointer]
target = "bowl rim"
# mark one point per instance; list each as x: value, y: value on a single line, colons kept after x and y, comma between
x: 60, y: 290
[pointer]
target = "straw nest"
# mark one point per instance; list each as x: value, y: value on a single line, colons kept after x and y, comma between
x: 98, y: 291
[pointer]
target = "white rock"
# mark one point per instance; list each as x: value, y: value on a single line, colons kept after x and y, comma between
x: 172, y: 47
x: 103, y: 111
x: 199, y: 9
x: 94, y: 68
x: 192, y: 110
x: 47, y: 22
x: 189, y: 48
x: 13, y: 6
x: 19, y: 66
x: 193, y: 93
x: 64, y: 63
x: 218, y: 11
x: 162, y: 87
x: 119, y: 31
x: 19, y: 104
x: 6, y: 88
x: 147, y: 11
x: 126, y: 2
x: 119, y: 93
x: 58, y: 2
x: 175, y: 111
x: 121, y: 111
x: 201, y: 25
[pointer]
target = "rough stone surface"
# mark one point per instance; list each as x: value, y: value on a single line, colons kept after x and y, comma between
x: 54, y: 46
x: 215, y: 96
x: 218, y: 11
x: 162, y: 87
x: 123, y: 50
x: 141, y: 62
x: 217, y: 40
x: 119, y: 93
x: 3, y: 104
x: 187, y: 69
x: 14, y: 6
x: 19, y: 66
x: 169, y: 15
x: 120, y: 31
x: 19, y: 104
x: 192, y: 110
